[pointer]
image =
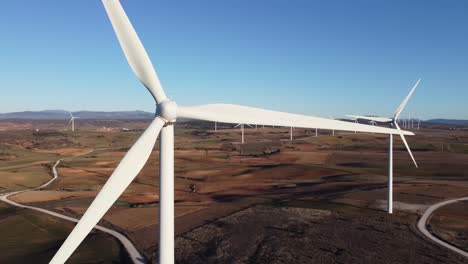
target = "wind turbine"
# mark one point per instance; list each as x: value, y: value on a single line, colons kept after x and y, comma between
x: 163, y: 124
x: 333, y: 130
x: 72, y: 121
x: 242, y: 130
x: 354, y: 119
x: 394, y: 123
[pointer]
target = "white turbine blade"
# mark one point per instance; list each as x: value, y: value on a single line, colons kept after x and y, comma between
x: 371, y: 118
x: 249, y: 125
x: 122, y: 176
x: 69, y: 122
x: 237, y: 125
x: 353, y: 116
x: 403, y: 104
x: 236, y: 114
x: 70, y: 114
x: 406, y: 144
x: 133, y: 49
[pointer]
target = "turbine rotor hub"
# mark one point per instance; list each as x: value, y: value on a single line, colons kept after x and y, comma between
x: 167, y: 110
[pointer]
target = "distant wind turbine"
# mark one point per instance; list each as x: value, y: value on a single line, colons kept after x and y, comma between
x: 394, y: 123
x: 242, y: 130
x: 72, y: 121
x: 163, y: 124
x: 333, y: 130
x: 354, y: 119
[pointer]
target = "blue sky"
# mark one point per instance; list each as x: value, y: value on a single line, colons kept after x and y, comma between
x: 326, y: 58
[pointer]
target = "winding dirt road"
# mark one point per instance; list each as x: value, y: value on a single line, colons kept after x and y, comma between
x: 132, y: 251
x: 422, y: 226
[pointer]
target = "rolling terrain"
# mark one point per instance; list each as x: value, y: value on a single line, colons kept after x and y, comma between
x: 314, y: 199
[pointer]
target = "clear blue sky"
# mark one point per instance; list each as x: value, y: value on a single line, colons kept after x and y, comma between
x: 312, y: 57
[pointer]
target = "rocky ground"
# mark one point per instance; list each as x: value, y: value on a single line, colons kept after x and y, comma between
x: 272, y: 234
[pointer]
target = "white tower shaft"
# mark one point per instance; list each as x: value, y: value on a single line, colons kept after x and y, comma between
x: 166, y: 196
x: 242, y: 130
x: 390, y: 176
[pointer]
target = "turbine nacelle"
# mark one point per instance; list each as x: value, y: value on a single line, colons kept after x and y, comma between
x: 167, y: 110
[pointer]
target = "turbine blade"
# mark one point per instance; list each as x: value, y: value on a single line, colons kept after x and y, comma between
x: 133, y: 49
x: 403, y: 104
x: 236, y: 114
x: 122, y: 176
x: 406, y: 145
x: 353, y: 116
x: 371, y: 118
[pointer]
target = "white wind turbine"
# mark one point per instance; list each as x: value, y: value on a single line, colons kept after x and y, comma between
x: 393, y: 122
x: 163, y: 125
x: 242, y: 130
x: 333, y: 130
x: 354, y: 119
x: 72, y: 121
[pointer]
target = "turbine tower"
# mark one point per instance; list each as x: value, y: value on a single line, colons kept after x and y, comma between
x: 333, y: 130
x: 72, y: 121
x: 394, y: 123
x: 163, y: 126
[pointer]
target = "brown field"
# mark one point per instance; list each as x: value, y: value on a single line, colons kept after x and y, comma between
x: 449, y: 223
x: 313, y: 200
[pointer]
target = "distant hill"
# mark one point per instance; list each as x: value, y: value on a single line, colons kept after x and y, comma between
x: 448, y: 121
x: 62, y: 114
x: 132, y: 115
